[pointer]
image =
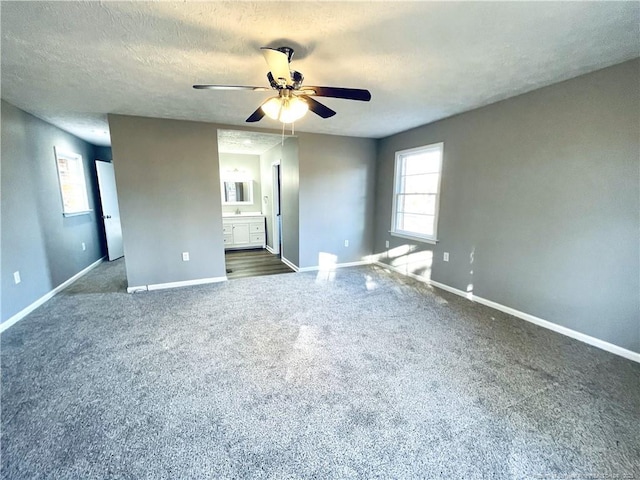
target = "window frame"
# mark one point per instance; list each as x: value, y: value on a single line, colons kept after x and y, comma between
x: 397, y: 177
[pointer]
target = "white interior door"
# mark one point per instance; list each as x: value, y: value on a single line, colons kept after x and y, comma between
x: 110, y: 209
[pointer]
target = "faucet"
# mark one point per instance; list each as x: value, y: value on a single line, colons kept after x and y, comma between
x: 238, y: 212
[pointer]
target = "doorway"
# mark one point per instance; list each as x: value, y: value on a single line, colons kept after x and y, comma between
x: 252, y: 159
x: 110, y: 209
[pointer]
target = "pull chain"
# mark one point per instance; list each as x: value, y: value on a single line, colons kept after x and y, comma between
x: 293, y: 131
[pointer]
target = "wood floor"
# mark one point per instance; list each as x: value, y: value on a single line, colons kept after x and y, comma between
x: 253, y: 263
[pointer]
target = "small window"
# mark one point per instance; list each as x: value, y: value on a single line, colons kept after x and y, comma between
x: 416, y: 194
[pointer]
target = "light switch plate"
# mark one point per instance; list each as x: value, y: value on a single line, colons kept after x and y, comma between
x: 16, y: 277
x: 185, y: 256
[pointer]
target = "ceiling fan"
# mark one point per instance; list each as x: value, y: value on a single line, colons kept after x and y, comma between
x: 294, y: 99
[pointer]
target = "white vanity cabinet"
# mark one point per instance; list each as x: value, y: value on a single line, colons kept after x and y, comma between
x: 243, y: 231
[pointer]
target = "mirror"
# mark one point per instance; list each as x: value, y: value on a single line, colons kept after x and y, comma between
x: 237, y: 193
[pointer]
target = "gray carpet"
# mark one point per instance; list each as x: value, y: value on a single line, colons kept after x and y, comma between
x: 368, y: 375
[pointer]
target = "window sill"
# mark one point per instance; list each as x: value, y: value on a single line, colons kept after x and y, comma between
x: 416, y: 238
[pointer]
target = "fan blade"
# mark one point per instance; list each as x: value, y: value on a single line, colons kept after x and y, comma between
x: 230, y: 87
x: 318, y: 108
x: 278, y: 63
x: 257, y: 115
x: 337, y: 92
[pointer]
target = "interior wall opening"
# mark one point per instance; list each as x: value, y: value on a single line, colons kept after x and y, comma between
x: 251, y: 187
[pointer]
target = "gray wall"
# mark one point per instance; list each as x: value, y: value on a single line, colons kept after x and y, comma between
x: 290, y: 201
x: 250, y: 164
x: 168, y: 180
x: 37, y: 241
x: 337, y: 181
x: 544, y: 189
x: 337, y: 175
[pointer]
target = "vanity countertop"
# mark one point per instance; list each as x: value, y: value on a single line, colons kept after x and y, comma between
x: 242, y: 214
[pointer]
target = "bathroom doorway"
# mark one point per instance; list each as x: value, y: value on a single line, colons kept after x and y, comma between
x: 251, y: 187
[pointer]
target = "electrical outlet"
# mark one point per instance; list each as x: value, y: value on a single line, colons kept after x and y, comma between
x: 16, y: 277
x: 84, y: 247
x: 185, y: 256
x: 446, y: 256
x: 386, y: 244
x: 346, y: 243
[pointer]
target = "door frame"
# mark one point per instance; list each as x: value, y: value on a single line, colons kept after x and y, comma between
x: 276, y: 206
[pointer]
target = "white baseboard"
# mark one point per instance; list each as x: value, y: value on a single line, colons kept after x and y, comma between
x: 270, y: 250
x: 593, y: 341
x: 289, y: 264
x: 337, y: 265
x: 140, y: 288
x: 26, y: 311
x: 317, y: 267
x: 186, y: 283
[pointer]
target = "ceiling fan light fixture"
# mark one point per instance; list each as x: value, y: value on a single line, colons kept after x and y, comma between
x: 272, y: 107
x: 285, y: 109
x: 293, y: 109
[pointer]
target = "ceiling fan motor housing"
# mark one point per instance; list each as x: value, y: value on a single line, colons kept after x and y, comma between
x: 296, y: 77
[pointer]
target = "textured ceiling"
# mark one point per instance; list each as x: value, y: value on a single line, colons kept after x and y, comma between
x: 71, y: 63
x: 247, y: 143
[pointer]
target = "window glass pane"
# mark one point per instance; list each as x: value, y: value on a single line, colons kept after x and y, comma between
x: 423, y: 204
x: 422, y: 224
x: 417, y: 179
x: 425, y: 183
x: 426, y: 162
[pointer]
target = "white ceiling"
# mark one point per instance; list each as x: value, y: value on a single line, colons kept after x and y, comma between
x: 71, y: 63
x: 246, y: 143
